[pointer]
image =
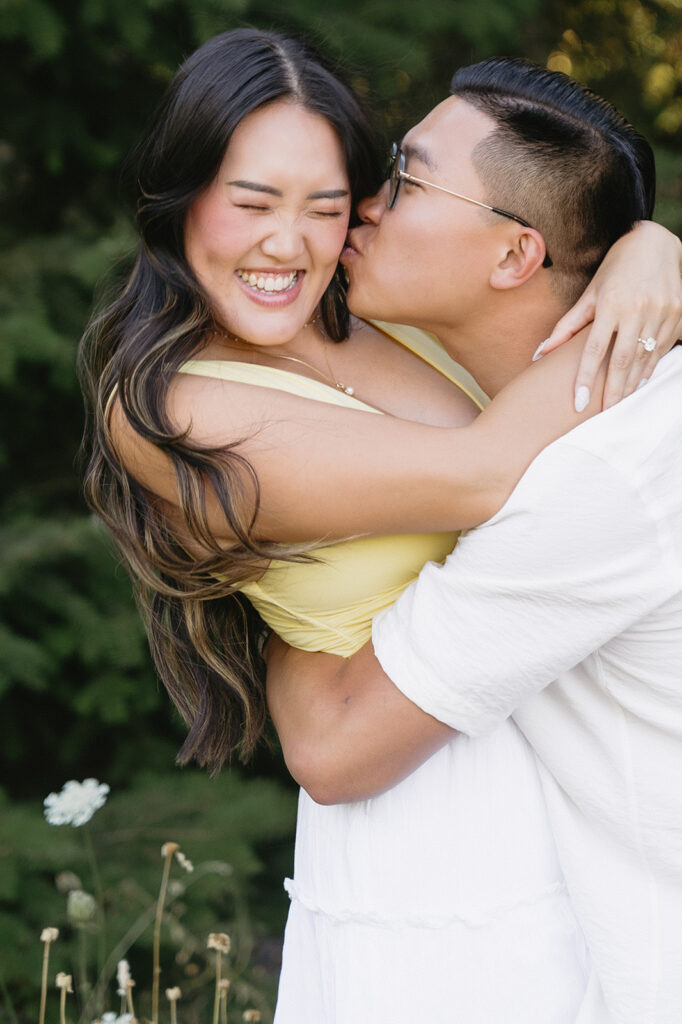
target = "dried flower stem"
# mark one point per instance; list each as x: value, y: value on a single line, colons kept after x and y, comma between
x: 129, y: 999
x: 43, y: 988
x: 64, y: 985
x: 224, y: 986
x: 216, y: 1003
x: 47, y: 937
x: 173, y: 994
x: 168, y: 850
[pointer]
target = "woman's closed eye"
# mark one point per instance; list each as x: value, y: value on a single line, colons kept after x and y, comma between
x: 327, y: 213
x: 259, y: 208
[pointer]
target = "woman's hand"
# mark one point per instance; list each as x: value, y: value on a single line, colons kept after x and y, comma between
x: 635, y: 294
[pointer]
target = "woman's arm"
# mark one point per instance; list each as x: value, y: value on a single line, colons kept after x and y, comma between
x: 330, y: 472
x: 636, y: 293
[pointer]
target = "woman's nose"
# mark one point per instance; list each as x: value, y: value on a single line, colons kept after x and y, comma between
x: 284, y: 242
x: 372, y: 209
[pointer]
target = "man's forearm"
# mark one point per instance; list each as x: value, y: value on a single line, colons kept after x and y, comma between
x: 347, y: 732
x: 303, y: 708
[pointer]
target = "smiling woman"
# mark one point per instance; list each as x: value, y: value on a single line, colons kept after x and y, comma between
x: 267, y: 232
x: 246, y: 183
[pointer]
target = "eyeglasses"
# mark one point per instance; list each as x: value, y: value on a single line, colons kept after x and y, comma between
x: 397, y: 174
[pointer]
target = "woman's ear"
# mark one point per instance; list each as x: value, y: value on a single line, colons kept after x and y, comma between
x: 523, y: 256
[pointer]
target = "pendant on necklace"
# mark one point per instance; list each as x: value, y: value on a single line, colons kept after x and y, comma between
x: 346, y: 390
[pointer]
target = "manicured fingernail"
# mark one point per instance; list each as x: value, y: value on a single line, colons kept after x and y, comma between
x: 582, y: 398
x: 539, y: 350
x: 643, y: 381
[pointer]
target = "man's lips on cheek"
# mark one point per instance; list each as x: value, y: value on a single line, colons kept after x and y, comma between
x: 350, y: 250
x: 354, y: 240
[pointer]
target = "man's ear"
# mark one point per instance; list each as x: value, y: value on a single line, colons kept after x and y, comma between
x: 521, y: 259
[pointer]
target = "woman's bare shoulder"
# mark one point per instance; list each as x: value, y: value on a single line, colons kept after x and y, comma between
x: 142, y: 459
x: 413, y: 375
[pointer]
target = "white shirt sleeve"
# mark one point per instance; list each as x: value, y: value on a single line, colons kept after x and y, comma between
x: 572, y: 560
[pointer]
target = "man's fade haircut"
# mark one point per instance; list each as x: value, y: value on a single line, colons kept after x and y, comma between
x: 561, y: 157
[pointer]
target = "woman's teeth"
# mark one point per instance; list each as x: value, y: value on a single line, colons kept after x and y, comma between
x: 268, y: 282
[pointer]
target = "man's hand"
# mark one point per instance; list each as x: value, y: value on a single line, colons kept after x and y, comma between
x: 346, y: 731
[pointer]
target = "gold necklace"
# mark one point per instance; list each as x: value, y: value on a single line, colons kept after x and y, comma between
x: 328, y: 378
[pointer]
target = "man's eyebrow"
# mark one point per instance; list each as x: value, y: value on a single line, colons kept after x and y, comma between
x: 419, y: 153
x: 324, y: 193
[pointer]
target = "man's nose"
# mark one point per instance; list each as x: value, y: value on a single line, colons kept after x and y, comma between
x: 372, y: 209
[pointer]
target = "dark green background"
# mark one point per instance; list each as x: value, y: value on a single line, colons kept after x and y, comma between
x: 77, y: 694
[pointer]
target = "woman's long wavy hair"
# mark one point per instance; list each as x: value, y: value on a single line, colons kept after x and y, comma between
x: 202, y: 632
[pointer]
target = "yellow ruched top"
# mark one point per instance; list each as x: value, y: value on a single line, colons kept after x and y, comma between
x: 328, y: 605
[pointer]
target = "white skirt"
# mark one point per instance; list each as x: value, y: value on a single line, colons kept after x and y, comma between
x: 440, y: 900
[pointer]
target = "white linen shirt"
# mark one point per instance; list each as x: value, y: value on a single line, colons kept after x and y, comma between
x: 565, y: 611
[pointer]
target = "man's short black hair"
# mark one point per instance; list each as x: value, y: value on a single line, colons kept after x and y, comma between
x: 562, y: 158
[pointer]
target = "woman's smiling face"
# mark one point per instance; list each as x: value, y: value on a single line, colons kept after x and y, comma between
x: 265, y: 236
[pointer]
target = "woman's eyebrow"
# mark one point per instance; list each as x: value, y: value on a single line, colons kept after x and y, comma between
x: 255, y: 187
x: 329, y: 193
x: 325, y: 193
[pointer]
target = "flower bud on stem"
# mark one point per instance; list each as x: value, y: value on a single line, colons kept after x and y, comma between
x: 48, y: 936
x: 63, y: 983
x: 167, y: 851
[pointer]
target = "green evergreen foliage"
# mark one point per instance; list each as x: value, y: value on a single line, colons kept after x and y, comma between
x: 78, y: 697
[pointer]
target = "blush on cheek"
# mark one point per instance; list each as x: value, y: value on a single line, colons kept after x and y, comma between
x: 336, y: 239
x: 221, y: 234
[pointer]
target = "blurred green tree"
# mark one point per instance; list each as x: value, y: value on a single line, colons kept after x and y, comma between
x: 79, y: 80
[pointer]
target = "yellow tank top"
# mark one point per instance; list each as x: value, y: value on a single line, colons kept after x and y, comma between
x: 328, y: 605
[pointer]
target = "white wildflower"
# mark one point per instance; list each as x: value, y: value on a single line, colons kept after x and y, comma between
x: 76, y: 803
x: 184, y: 862
x: 49, y: 935
x: 251, y: 1016
x: 219, y: 941
x: 173, y: 993
x: 122, y: 977
x: 168, y: 849
x: 110, y: 1017
x: 64, y: 981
